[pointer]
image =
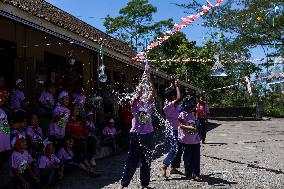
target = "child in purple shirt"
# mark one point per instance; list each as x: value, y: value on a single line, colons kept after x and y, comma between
x: 91, y: 137
x: 140, y: 145
x: 50, y: 167
x: 20, y: 126
x: 4, y: 126
x: 190, y: 139
x: 171, y: 111
x: 110, y: 135
x: 46, y: 99
x: 17, y: 96
x: 34, y: 136
x: 66, y: 156
x: 60, y: 116
x: 65, y: 153
x: 21, y: 161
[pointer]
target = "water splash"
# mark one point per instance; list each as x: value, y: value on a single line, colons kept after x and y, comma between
x: 167, y: 132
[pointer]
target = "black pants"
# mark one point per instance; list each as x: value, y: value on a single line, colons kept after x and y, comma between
x: 80, y: 150
x: 92, y: 146
x: 29, y: 179
x: 140, y: 150
x: 50, y: 178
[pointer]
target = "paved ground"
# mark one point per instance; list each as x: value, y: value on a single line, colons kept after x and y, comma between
x: 238, y: 154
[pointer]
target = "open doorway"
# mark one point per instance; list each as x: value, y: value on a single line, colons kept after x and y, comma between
x: 8, y: 54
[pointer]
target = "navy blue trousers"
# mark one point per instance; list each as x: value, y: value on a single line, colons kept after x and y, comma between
x: 191, y: 159
x: 174, y: 156
x: 140, y: 150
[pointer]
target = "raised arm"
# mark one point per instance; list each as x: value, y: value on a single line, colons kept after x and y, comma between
x: 178, y: 98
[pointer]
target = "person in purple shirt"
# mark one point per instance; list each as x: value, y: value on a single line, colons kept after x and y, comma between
x: 190, y: 139
x: 17, y: 97
x: 141, y: 133
x: 110, y: 135
x: 34, y: 135
x: 79, y: 98
x: 46, y: 99
x: 171, y: 110
x: 4, y: 126
x: 60, y: 116
x: 50, y: 167
x: 21, y: 160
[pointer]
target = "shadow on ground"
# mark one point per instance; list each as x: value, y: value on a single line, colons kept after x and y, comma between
x: 211, y: 180
x: 254, y: 166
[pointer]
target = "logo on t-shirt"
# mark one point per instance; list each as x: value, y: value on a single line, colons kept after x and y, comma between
x: 143, y: 118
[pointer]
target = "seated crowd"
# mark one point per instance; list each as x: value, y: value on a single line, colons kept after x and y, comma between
x: 40, y: 156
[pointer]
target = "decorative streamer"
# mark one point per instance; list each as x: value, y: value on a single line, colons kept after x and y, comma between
x: 177, y: 27
x: 102, y: 75
x: 278, y: 60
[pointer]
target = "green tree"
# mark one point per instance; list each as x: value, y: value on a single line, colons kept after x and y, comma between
x: 135, y: 24
x: 249, y: 23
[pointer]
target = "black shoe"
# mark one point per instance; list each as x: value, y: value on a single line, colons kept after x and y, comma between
x: 188, y: 176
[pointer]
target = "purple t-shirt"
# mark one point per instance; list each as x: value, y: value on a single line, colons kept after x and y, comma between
x: 65, y: 154
x: 109, y: 131
x: 90, y: 126
x: 4, y: 136
x: 35, y: 133
x: 46, y: 163
x: 171, y: 111
x: 21, y: 161
x: 184, y: 136
x: 58, y: 128
x: 79, y: 99
x: 16, y: 98
x: 47, y: 100
x: 18, y: 132
x: 142, y: 121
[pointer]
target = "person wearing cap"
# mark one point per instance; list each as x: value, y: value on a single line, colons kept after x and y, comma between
x: 21, y: 161
x: 173, y: 99
x: 189, y: 137
x: 60, y: 116
x: 202, y: 112
x: 110, y: 135
x: 141, y: 133
x: 18, y: 98
x: 50, y: 167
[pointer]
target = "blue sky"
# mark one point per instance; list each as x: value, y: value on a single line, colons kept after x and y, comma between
x: 94, y: 11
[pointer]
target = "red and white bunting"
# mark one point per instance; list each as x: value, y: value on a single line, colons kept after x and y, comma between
x: 178, y: 27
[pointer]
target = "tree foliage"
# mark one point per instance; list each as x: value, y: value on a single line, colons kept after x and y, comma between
x: 248, y: 23
x: 135, y: 24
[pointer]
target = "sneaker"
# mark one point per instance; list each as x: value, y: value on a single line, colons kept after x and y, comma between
x: 198, y: 179
x: 93, y: 162
x: 163, y: 170
x: 175, y: 172
x: 188, y: 176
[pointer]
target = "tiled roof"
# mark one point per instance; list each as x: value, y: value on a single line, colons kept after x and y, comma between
x: 54, y: 15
